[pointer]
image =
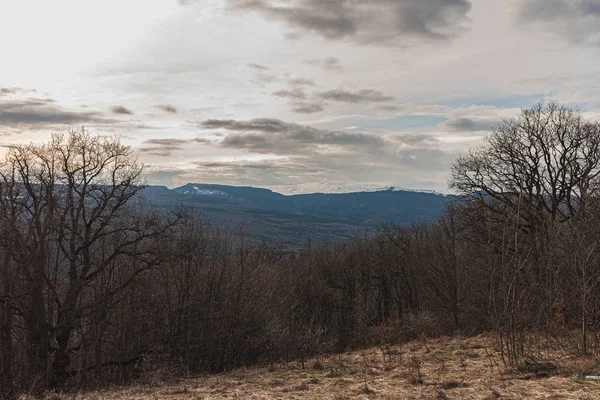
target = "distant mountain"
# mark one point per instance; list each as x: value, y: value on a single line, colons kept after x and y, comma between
x: 293, y: 220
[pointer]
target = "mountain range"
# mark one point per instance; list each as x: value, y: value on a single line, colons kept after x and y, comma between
x: 293, y: 220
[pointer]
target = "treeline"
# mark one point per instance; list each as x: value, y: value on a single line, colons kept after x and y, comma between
x: 97, y: 287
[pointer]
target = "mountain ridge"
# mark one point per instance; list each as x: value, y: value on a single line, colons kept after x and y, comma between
x: 294, y: 219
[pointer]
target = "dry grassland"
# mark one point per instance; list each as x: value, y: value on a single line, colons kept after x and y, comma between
x: 445, y: 368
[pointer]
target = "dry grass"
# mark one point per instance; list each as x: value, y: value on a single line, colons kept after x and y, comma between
x: 445, y: 368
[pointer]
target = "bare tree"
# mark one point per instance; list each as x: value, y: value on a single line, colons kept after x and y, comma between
x: 69, y: 208
x: 545, y: 164
x: 526, y: 191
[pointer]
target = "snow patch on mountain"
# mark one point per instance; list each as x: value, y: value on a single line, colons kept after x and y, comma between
x: 200, y: 191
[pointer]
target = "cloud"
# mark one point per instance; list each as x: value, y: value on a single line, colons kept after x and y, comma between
x: 278, y: 154
x: 375, y: 21
x: 167, y: 108
x: 302, y: 103
x: 415, y: 109
x: 261, y: 124
x: 201, y: 140
x: 262, y: 74
x: 298, y: 101
x: 146, y: 126
x: 469, y: 124
x: 577, y: 21
x: 387, y: 107
x: 418, y: 140
x: 162, y: 176
x: 41, y: 100
x: 329, y: 63
x: 39, y: 112
x: 166, y: 147
x: 361, y: 96
x: 8, y: 90
x: 302, y: 82
x: 296, y: 94
x: 258, y: 67
x: 272, y: 136
x: 121, y: 110
x: 328, y: 171
x: 332, y: 64
x: 307, y: 108
x: 166, y: 142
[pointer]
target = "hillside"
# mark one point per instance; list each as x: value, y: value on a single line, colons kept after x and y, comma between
x: 295, y: 219
x: 445, y: 368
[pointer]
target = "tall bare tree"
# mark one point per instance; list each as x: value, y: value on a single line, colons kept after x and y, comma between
x: 69, y: 206
x: 545, y: 163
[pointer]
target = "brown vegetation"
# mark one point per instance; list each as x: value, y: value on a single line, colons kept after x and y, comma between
x: 449, y: 368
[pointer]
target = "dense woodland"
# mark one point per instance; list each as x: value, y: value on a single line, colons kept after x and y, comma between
x: 98, y: 287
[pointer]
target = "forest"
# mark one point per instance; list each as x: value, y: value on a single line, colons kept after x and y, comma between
x: 98, y: 287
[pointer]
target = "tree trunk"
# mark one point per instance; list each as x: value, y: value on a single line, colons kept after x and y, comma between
x: 38, y: 332
x: 6, y: 375
x: 67, y: 316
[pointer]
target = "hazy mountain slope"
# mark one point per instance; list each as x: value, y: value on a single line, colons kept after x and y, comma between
x: 293, y: 220
x: 373, y: 208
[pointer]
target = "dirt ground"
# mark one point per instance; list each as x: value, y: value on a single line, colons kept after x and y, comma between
x: 445, y: 368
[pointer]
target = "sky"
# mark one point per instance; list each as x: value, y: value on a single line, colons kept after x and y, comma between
x: 293, y: 95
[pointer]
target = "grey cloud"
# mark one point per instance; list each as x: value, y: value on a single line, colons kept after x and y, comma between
x: 420, y: 140
x: 303, y: 104
x: 413, y: 109
x: 166, y: 147
x: 327, y: 18
x: 548, y: 10
x: 329, y: 63
x: 167, y: 108
x: 296, y: 94
x: 298, y: 101
x: 41, y: 100
x: 263, y: 75
x: 162, y: 152
x: 332, y: 63
x: 28, y: 113
x: 305, y: 155
x: 258, y: 67
x: 577, y: 21
x: 256, y: 165
x: 121, y: 110
x: 146, y: 126
x: 375, y: 21
x: 260, y: 124
x: 361, y: 96
x: 307, y: 108
x: 469, y: 124
x: 387, y: 107
x: 201, y: 140
x: 8, y: 90
x: 302, y: 82
x: 265, y: 135
x: 166, y: 142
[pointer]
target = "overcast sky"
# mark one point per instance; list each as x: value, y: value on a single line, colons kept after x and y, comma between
x: 293, y: 95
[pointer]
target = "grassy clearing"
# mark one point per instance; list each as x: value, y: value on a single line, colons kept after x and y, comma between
x: 445, y: 368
